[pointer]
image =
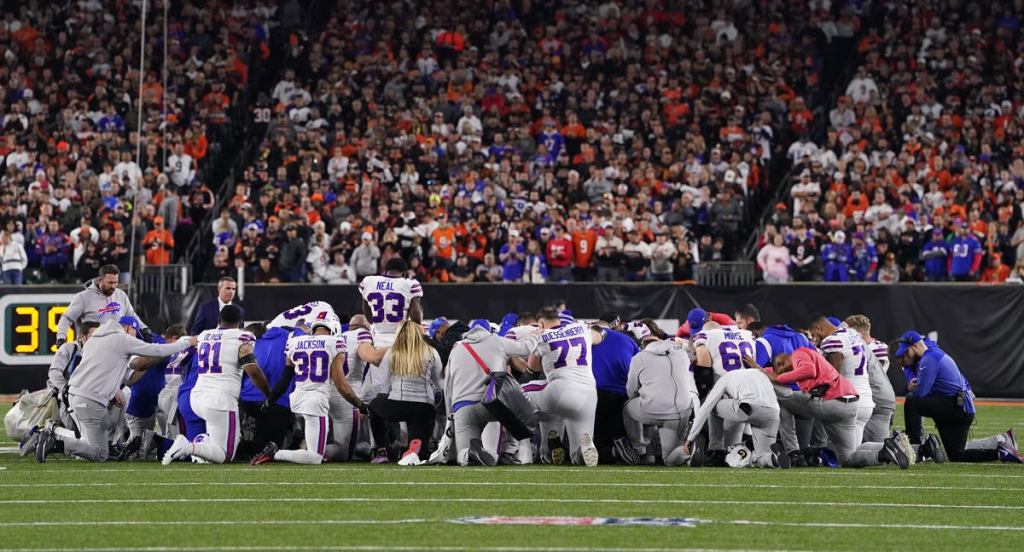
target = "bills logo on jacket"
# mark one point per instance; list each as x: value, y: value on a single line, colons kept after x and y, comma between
x: 112, y: 307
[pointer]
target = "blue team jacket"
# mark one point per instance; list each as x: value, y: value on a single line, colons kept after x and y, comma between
x: 269, y: 355
x: 938, y: 376
x: 611, y: 361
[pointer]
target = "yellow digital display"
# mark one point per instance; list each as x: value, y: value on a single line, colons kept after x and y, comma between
x: 28, y: 324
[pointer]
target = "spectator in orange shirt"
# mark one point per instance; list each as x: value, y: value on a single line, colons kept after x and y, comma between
x: 443, y: 241
x: 159, y: 243
x: 855, y: 203
x: 996, y: 272
x: 583, y: 242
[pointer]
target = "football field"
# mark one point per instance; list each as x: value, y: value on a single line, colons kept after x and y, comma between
x: 74, y: 505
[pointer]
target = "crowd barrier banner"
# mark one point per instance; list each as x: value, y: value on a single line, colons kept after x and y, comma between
x: 982, y: 327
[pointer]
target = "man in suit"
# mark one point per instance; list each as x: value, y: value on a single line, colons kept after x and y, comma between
x: 206, y: 318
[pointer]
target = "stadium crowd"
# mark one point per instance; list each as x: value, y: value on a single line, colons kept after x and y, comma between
x: 921, y: 177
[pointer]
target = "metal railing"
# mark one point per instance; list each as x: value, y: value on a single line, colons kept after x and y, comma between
x: 726, y: 274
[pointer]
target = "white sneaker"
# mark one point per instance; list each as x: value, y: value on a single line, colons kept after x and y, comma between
x: 903, y: 442
x: 588, y: 450
x: 177, y: 450
x: 410, y: 459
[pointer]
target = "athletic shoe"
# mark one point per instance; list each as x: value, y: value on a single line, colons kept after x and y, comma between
x: 893, y: 454
x: 1009, y: 454
x: 903, y: 441
x: 931, y: 449
x: 588, y: 449
x: 509, y: 459
x: 148, y: 445
x: 380, y: 457
x: 177, y: 450
x: 130, y: 448
x: 266, y: 455
x: 779, y: 457
x: 46, y: 441
x: 1011, y: 438
x: 479, y: 456
x: 29, y: 446
x: 716, y: 459
x: 411, y: 456
x: 556, y: 448
x: 828, y: 458
x: 797, y: 459
x: 626, y: 452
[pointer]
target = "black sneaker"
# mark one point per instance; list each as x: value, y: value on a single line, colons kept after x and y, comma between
x: 781, y: 459
x: 479, y: 456
x: 626, y: 452
x: 716, y: 459
x: 46, y: 441
x: 797, y: 459
x: 892, y: 454
x: 130, y: 448
x: 935, y: 450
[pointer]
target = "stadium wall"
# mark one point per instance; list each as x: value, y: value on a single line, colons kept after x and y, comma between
x: 982, y: 327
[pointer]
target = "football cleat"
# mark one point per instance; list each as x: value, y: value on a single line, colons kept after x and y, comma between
x: 130, y: 448
x: 588, y: 450
x: 380, y: 457
x: 46, y: 441
x: 411, y: 456
x: 903, y: 441
x: 556, y: 448
x: 266, y: 455
x: 931, y: 449
x: 1011, y: 438
x: 479, y: 456
x: 796, y: 459
x: 178, y: 450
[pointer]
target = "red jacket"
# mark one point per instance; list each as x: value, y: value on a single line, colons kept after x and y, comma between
x: 810, y: 370
x: 559, y: 252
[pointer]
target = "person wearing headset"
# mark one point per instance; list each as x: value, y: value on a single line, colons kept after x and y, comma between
x: 661, y: 394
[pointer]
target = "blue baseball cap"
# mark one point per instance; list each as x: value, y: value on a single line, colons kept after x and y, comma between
x: 436, y: 325
x: 480, y: 323
x: 696, y: 318
x: 130, y: 321
x: 906, y: 340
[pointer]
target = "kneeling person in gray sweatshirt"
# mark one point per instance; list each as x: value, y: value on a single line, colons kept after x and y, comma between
x: 95, y: 387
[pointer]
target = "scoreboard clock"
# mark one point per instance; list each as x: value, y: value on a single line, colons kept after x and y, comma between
x: 28, y: 324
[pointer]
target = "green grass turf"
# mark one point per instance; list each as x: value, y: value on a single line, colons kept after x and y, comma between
x: 341, y: 506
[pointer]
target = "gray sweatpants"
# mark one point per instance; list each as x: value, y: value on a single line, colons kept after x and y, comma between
x: 469, y: 424
x: 94, y: 421
x: 730, y: 419
x: 635, y: 418
x: 839, y: 420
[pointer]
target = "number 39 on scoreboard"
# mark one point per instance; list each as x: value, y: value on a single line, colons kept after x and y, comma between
x: 28, y: 325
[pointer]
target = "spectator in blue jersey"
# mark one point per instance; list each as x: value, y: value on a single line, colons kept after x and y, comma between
x: 935, y: 255
x: 837, y: 256
x: 937, y: 389
x: 865, y: 259
x: 966, y: 255
x: 612, y: 354
x: 513, y: 257
x: 273, y: 423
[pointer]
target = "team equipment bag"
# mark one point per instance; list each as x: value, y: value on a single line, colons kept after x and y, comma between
x: 507, y: 402
x: 31, y: 410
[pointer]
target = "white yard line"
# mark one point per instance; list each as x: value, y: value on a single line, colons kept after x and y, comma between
x: 380, y: 548
x: 506, y: 500
x: 497, y: 484
x: 834, y: 525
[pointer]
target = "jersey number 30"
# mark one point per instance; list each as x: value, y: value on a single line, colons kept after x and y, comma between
x: 311, y: 366
x: 390, y: 307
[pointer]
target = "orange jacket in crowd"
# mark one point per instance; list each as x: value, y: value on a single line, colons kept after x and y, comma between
x: 158, y: 244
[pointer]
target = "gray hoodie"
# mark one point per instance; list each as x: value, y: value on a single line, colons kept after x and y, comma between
x: 660, y: 376
x: 90, y: 305
x: 105, y: 361
x: 465, y: 379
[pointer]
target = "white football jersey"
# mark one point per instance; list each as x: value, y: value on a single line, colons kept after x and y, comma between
x: 520, y: 333
x: 881, y: 352
x: 175, y: 368
x: 220, y: 375
x: 566, y: 351
x: 389, y: 300
x: 306, y: 314
x: 311, y: 357
x: 854, y: 366
x: 727, y: 345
